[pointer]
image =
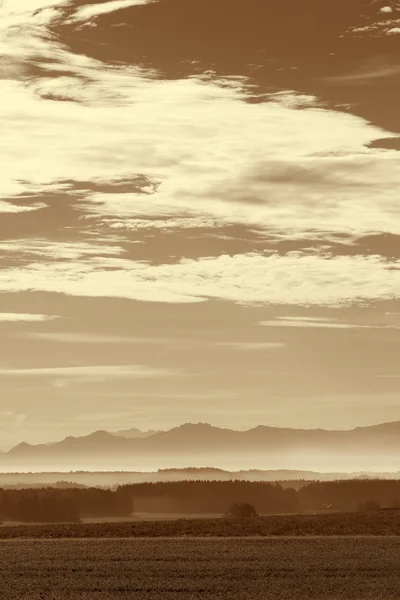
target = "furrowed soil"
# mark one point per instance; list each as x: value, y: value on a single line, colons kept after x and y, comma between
x: 340, y: 568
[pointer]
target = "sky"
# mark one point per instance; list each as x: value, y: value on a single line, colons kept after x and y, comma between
x: 199, y: 215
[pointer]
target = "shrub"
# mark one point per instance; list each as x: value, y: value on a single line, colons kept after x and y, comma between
x: 369, y: 506
x: 242, y: 510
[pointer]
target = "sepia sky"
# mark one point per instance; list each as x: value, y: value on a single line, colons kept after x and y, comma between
x: 199, y: 214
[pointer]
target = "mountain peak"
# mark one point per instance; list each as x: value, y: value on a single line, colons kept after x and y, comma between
x: 21, y: 447
x: 134, y: 432
x: 196, y: 426
x: 101, y: 434
x: 391, y: 426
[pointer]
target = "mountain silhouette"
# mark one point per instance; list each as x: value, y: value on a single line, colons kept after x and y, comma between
x: 362, y: 448
x: 134, y: 433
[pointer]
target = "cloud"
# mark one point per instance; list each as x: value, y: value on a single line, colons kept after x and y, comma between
x: 57, y: 250
x: 86, y: 338
x: 290, y: 196
x: 268, y: 278
x: 313, y: 319
x: 303, y: 323
x: 319, y: 322
x: 210, y: 156
x: 10, y: 208
x: 10, y: 418
x: 377, y: 29
x: 249, y: 346
x: 169, y: 224
x: 89, y: 372
x: 14, y: 317
x: 84, y: 13
x: 367, y: 75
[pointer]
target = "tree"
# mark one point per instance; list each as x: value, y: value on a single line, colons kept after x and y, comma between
x: 368, y: 506
x: 242, y: 510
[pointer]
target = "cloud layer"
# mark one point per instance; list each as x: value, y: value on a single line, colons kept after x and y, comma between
x: 88, y: 372
x: 166, y: 242
x: 293, y: 279
x: 15, y: 317
x: 214, y: 155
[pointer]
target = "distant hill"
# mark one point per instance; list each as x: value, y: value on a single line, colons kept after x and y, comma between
x: 134, y: 433
x: 111, y: 479
x: 374, y: 448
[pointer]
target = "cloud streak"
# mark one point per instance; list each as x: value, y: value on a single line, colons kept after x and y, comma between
x: 8, y: 208
x: 89, y: 372
x: 319, y: 323
x: 32, y: 318
x: 89, y: 11
x: 87, y: 338
x: 268, y: 278
x: 249, y: 346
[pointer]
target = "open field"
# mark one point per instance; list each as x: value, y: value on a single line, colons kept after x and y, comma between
x: 357, y: 523
x: 150, y: 517
x: 338, y: 568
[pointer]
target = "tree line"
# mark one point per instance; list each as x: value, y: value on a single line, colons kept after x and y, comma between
x: 216, y: 496
x: 194, y: 497
x: 58, y: 505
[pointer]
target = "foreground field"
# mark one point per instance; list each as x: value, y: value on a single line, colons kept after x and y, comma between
x: 337, y: 568
x: 379, y: 523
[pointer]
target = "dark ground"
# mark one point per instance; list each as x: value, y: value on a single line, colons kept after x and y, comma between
x: 188, y: 569
x: 373, y: 524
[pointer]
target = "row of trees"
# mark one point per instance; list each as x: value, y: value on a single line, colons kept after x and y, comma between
x: 63, y: 505
x: 211, y: 497
x: 216, y: 496
x: 189, y: 497
x: 351, y: 494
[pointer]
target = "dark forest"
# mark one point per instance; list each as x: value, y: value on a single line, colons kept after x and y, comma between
x: 194, y: 497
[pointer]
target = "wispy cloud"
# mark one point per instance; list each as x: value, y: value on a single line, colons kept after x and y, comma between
x: 13, y: 416
x: 320, y: 322
x: 34, y: 248
x: 307, y: 323
x: 306, y: 319
x: 248, y: 346
x: 268, y: 278
x: 366, y: 76
x: 14, y: 317
x: 89, y: 11
x: 382, y: 27
x: 10, y: 208
x: 88, y: 338
x: 89, y: 371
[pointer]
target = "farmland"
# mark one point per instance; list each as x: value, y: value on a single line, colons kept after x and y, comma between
x: 330, y: 524
x: 182, y: 569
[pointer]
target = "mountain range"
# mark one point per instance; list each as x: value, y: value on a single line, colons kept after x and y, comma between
x: 135, y: 433
x: 363, y: 448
